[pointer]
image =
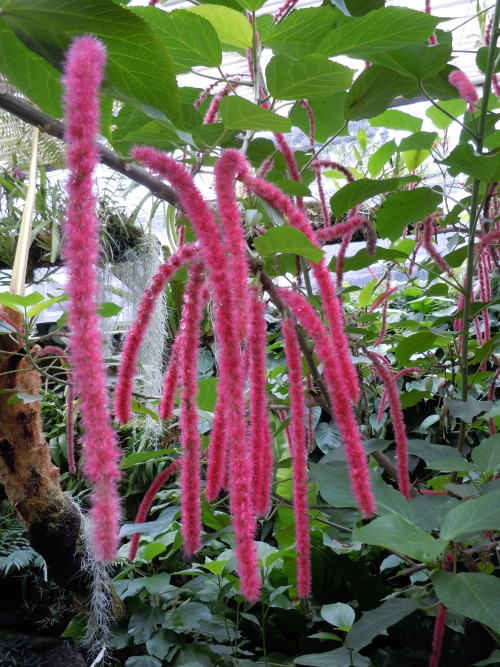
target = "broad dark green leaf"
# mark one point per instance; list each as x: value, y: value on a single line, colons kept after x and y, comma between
x: 240, y: 114
x: 142, y: 661
x: 390, y: 501
x: 394, y: 119
x: 287, y: 239
x: 159, y: 644
x: 340, y: 657
x: 141, y: 457
x: 144, y: 622
x: 328, y: 117
x: 482, y: 59
x: 364, y: 189
x: 473, y: 595
x: 30, y: 73
x: 395, y: 533
x: 333, y: 483
x: 429, y: 510
x: 338, y: 614
x: 293, y: 188
x: 452, y: 464
x: 418, y: 141
x: 139, y: 69
x: 231, y: 26
x: 472, y: 516
x: 463, y: 159
x: 487, y: 455
x: 428, y: 451
x: 361, y: 259
x: 300, y: 33
x: 420, y: 61
x: 311, y: 77
x: 252, y: 5
x: 357, y: 7
x: 375, y: 621
x: 439, y: 119
x: 207, y: 393
x: 190, y: 39
x: 380, y: 157
x: 403, y: 208
x: 385, y: 29
x: 467, y: 410
x: 418, y: 342
x: 373, y: 91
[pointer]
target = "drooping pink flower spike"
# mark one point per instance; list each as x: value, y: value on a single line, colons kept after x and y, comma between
x: 298, y: 451
x: 341, y: 229
x: 465, y: 87
x: 428, y: 228
x: 213, y: 109
x: 231, y: 377
x: 83, y: 73
x: 260, y: 432
x: 339, y: 398
x: 398, y: 423
x: 400, y: 374
x: 135, y: 337
x: 381, y: 298
x: 147, y: 501
x: 331, y: 304
x: 285, y: 8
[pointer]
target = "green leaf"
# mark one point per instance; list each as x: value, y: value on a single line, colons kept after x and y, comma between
x: 144, y: 621
x: 487, y: 455
x: 338, y: 658
x: 429, y: 451
x: 299, y: 34
x: 240, y: 114
x: 363, y: 189
x: 18, y: 302
x: 207, y: 393
x: 40, y: 307
x: 451, y: 464
x: 361, y: 260
x: 338, y: 614
x: 251, y: 5
x: 439, y: 119
x: 472, y: 516
x: 312, y: 77
x: 142, y: 457
x: 473, y: 595
x: 393, y: 119
x: 328, y: 117
x: 139, y: 69
x: 385, y: 29
x: 357, y: 7
x: 418, y: 342
x: 403, y: 208
x: 482, y: 59
x: 231, y: 26
x: 413, y: 159
x: 109, y: 309
x: 159, y: 644
x: 390, y: 501
x: 287, y: 239
x: 373, y: 91
x: 418, y: 141
x: 376, y: 621
x: 467, y: 410
x: 463, y: 159
x: 420, y: 61
x: 190, y: 39
x: 393, y: 532
x: 293, y: 188
x: 156, y: 583
x: 153, y: 549
x: 333, y: 483
x: 428, y: 511
x: 380, y: 157
x: 30, y: 73
x: 142, y: 661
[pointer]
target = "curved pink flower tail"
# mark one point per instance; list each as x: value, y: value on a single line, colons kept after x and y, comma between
x: 299, y: 457
x: 213, y: 109
x: 135, y: 337
x: 428, y: 228
x: 260, y: 432
x: 391, y: 388
x: 284, y: 10
x: 83, y: 73
x: 437, y: 638
x: 190, y: 435
x: 339, y: 398
x: 147, y: 501
x: 465, y: 87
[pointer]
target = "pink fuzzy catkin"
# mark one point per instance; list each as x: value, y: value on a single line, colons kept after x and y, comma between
x: 285, y: 8
x: 339, y: 397
x: 135, y: 337
x: 381, y: 298
x: 465, y: 87
x: 261, y: 440
x: 310, y: 418
x: 341, y: 229
x: 190, y: 435
x: 331, y: 303
x: 299, y: 457
x: 83, y: 72
x: 400, y: 374
x: 428, y: 225
x: 147, y: 501
x: 391, y: 388
x: 437, y: 639
x: 291, y: 163
x: 213, y: 109
x: 231, y: 381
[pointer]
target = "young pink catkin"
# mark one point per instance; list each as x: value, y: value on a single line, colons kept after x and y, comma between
x: 83, y: 73
x: 190, y: 435
x: 135, y: 337
x: 437, y: 638
x: 383, y: 399
x: 339, y: 397
x: 428, y: 227
x: 231, y: 382
x: 147, y: 501
x: 298, y: 451
x: 260, y: 433
x: 391, y: 388
x: 465, y: 87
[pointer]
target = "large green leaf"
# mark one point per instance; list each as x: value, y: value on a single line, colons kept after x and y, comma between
x: 418, y: 342
x: 380, y: 157
x: 439, y: 119
x: 487, y: 455
x: 394, y: 119
x: 364, y: 189
x: 403, y: 208
x: 139, y: 69
x: 418, y: 141
x: 473, y: 595
x: 340, y: 657
x: 190, y: 39
x: 333, y: 483
x: 328, y: 117
x: 472, y: 516
x: 231, y: 26
x: 420, y: 61
x: 361, y: 259
x: 375, y: 621
x: 385, y: 29
x: 463, y: 159
x: 300, y: 33
x: 395, y: 533
x: 240, y: 114
x: 357, y: 7
x: 287, y: 239
x: 252, y: 5
x: 390, y: 501
x: 311, y: 77
x: 30, y: 73
x: 373, y: 91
